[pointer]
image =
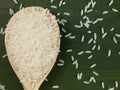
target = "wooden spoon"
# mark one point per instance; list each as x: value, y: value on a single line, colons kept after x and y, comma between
x: 11, y: 46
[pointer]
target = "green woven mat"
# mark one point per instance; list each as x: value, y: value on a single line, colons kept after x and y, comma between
x: 91, y: 36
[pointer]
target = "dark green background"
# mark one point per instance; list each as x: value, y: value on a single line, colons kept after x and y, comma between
x: 65, y: 77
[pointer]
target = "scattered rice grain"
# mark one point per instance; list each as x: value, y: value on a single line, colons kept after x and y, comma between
x: 90, y: 56
x: 76, y: 64
x: 55, y: 86
x: 92, y: 79
x: 63, y: 30
x: 111, y: 2
x: 90, y: 40
x: 95, y: 73
x: 79, y: 76
x: 104, y: 35
x: 69, y: 50
x: 21, y: 6
x: 67, y: 35
x: 15, y: 1
x: 94, y: 46
x: 66, y: 13
x: 11, y: 11
x: 2, y: 87
x: 4, y: 56
x: 117, y: 35
x: 51, y: 1
x: 105, y: 12
x: 112, y: 29
x: 109, y: 53
x: 103, y: 85
x: 82, y: 39
x: 54, y: 7
x: 93, y: 65
x: 111, y: 88
x: 86, y: 82
x: 80, y: 53
x: 60, y: 3
x: 116, y: 84
x: 72, y: 37
x: 115, y: 40
x: 114, y: 10
x: 88, y: 52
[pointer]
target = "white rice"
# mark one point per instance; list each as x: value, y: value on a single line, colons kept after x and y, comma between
x: 104, y: 35
x: 69, y: 34
x: 109, y: 53
x: 111, y: 2
x: 76, y: 64
x: 60, y: 3
x: 93, y: 65
x: 105, y: 12
x: 99, y: 47
x: 89, y: 31
x: 72, y: 57
x: 86, y: 82
x: 69, y: 50
x: 72, y: 37
x: 87, y: 25
x: 103, y: 85
x: 64, y: 20
x: 112, y: 29
x: 58, y: 14
x: 11, y: 11
x: 2, y: 31
x: 117, y: 35
x: 119, y: 53
x: 79, y: 76
x: 115, y: 40
x: 21, y: 6
x: 60, y: 64
x: 90, y: 40
x: 98, y: 20
x: 82, y: 39
x: 66, y: 13
x: 92, y: 79
x: 51, y: 1
x: 95, y: 36
x: 78, y: 26
x: 80, y: 53
x: 90, y: 56
x: 2, y: 87
x: 88, y: 52
x: 63, y: 30
x: 4, y: 56
x: 60, y: 60
x: 93, y: 3
x: 55, y: 86
x: 95, y: 73
x: 46, y: 79
x: 94, y: 41
x: 53, y: 6
x: 111, y: 88
x: 114, y: 10
x: 15, y: 1
x: 82, y: 12
x: 116, y: 84
x: 64, y: 3
x: 93, y: 48
x: 102, y: 29
x: 88, y: 11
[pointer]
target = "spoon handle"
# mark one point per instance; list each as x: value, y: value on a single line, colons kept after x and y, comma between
x: 29, y: 87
